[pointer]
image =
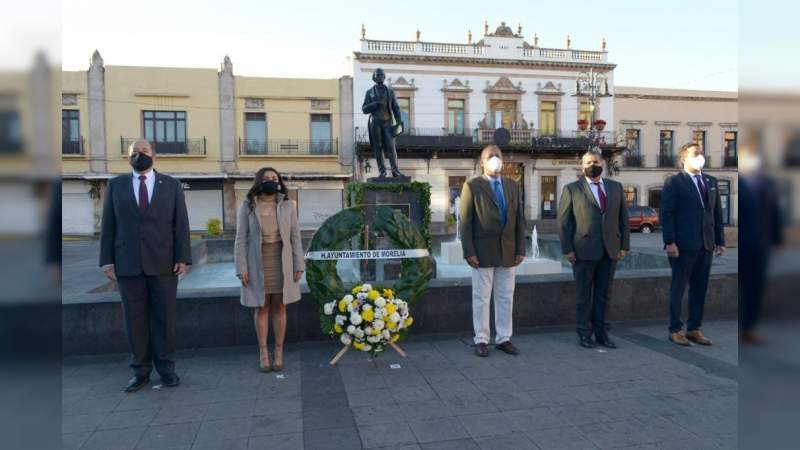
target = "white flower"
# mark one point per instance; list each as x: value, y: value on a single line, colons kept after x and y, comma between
x: 386, y: 334
x: 348, y: 298
x: 378, y: 324
x: 373, y: 339
x: 346, y: 339
x: 359, y: 333
x: 328, y: 309
x: 367, y: 347
x: 367, y: 307
x: 380, y: 302
x: 351, y: 329
x: 361, y: 295
x: 340, y: 319
x: 368, y: 330
x: 349, y: 307
x: 378, y: 315
x: 355, y: 318
x: 366, y: 287
x: 394, y: 317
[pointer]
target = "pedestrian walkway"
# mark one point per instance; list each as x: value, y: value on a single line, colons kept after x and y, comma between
x: 555, y: 395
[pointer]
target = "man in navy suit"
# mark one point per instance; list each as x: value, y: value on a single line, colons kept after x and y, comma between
x: 691, y: 217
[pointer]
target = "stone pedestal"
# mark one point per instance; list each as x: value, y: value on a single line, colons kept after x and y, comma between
x: 407, y: 202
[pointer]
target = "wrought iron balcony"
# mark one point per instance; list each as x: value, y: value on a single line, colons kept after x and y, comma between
x: 255, y: 147
x: 666, y: 161
x: 193, y: 147
x: 72, y: 146
x: 447, y: 143
x: 731, y: 161
x: 634, y: 160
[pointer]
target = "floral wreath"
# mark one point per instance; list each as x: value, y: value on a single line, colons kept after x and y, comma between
x: 327, y: 288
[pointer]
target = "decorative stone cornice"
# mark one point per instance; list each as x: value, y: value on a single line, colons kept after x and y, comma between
x: 669, y: 123
x: 503, y: 86
x: 481, y: 62
x: 699, y: 124
x: 401, y: 84
x: 633, y: 122
x: 548, y: 89
x: 456, y: 86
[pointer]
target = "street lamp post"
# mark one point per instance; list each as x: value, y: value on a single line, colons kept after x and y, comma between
x: 594, y: 86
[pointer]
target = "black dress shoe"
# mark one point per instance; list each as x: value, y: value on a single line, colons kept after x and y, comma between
x: 170, y: 380
x: 606, y: 342
x: 508, y: 347
x: 136, y: 383
x: 586, y: 342
x: 482, y: 350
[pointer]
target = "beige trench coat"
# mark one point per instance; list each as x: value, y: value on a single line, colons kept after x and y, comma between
x: 247, y: 252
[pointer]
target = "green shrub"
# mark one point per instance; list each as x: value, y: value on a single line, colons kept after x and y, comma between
x: 214, y: 227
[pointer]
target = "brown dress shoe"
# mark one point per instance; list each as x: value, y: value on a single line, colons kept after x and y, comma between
x: 508, y: 347
x: 482, y: 350
x: 697, y: 337
x: 752, y: 337
x: 679, y: 338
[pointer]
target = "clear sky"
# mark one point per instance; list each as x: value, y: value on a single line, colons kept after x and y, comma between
x: 684, y: 44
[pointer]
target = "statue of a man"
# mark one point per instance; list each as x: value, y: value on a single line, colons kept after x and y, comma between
x: 381, y: 104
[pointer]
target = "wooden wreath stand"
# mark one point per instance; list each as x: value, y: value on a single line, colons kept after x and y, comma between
x: 347, y: 347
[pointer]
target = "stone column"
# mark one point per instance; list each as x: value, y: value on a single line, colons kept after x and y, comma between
x: 346, y: 138
x: 98, y: 154
x: 41, y: 145
x: 227, y: 122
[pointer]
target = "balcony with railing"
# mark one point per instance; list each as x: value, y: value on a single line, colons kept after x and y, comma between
x: 72, y: 147
x: 731, y: 161
x: 288, y: 147
x: 666, y: 161
x: 533, y: 140
x: 480, y: 50
x: 189, y: 147
x: 634, y: 160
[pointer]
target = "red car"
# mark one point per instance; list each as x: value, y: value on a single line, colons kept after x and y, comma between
x: 643, y: 218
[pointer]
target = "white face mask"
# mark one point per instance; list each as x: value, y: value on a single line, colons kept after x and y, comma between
x: 749, y: 162
x: 696, y: 162
x: 494, y: 164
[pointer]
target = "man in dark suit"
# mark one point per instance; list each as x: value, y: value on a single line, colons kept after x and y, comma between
x: 691, y: 217
x: 493, y: 241
x: 761, y: 228
x: 144, y: 246
x: 381, y: 105
x: 594, y: 233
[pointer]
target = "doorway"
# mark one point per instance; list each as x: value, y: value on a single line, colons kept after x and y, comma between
x: 504, y: 113
x: 548, y: 197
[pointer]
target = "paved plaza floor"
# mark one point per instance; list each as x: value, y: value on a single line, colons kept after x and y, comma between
x: 648, y: 394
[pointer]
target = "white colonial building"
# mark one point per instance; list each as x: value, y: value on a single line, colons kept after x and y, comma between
x: 454, y: 96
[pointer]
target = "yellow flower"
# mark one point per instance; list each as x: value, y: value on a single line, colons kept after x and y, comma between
x: 388, y: 293
x: 408, y: 322
x: 338, y: 328
x: 395, y: 337
x: 356, y: 290
x: 373, y: 295
x: 376, y: 331
x: 368, y: 315
x: 391, y: 325
x: 358, y: 345
x: 391, y: 308
x: 342, y: 305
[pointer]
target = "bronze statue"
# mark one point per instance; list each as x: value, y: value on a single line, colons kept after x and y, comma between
x: 385, y: 122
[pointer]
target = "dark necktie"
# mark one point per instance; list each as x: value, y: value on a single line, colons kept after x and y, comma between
x: 702, y: 187
x: 501, y: 202
x: 143, y: 202
x: 601, y: 195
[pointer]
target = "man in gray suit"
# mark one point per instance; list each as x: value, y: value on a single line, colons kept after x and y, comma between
x: 493, y: 241
x: 144, y: 246
x: 593, y: 227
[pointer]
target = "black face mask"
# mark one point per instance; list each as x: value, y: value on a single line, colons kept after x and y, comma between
x: 268, y: 187
x: 593, y: 171
x: 140, y: 162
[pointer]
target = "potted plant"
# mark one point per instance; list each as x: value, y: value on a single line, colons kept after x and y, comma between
x: 600, y: 124
x: 213, y: 228
x: 583, y: 124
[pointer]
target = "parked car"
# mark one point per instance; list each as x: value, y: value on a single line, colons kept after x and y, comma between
x: 643, y: 218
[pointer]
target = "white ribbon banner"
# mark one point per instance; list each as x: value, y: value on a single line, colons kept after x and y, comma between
x: 368, y: 254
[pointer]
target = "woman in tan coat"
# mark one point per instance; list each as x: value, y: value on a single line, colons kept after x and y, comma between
x: 268, y: 256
